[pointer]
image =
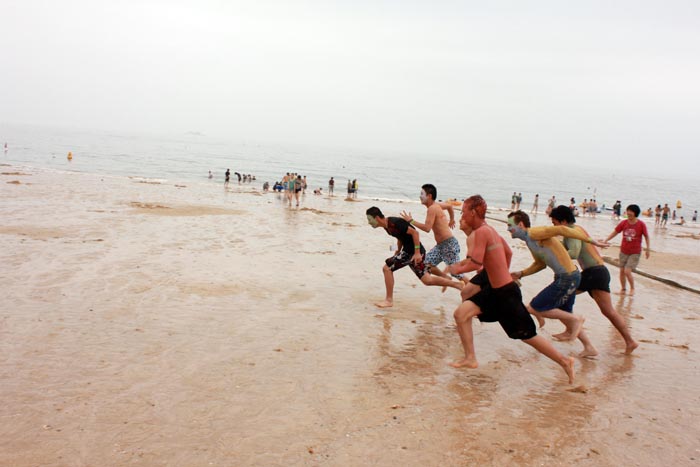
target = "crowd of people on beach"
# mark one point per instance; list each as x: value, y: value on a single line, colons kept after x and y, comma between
x: 493, y: 293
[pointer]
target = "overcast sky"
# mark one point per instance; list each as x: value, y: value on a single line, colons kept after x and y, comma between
x: 610, y: 82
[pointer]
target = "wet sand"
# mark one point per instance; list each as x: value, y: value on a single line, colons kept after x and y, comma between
x: 154, y: 324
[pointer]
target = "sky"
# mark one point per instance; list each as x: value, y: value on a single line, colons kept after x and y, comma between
x: 610, y: 84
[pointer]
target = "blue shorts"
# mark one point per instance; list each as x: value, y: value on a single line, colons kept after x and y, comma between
x: 559, y: 294
x: 446, y: 251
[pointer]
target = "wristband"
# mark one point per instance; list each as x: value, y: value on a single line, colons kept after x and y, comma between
x: 411, y: 222
x: 417, y: 247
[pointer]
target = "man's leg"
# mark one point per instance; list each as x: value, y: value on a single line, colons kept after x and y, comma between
x: 630, y: 279
x: 602, y: 298
x: 389, y: 285
x: 546, y: 348
x: 623, y: 281
x: 570, y: 320
x: 463, y: 315
x: 430, y: 279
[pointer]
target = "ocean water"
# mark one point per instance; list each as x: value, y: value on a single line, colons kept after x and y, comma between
x: 189, y: 157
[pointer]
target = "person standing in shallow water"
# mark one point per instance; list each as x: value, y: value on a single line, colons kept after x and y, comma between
x: 409, y: 252
x: 633, y: 230
x: 499, y: 298
x: 331, y: 185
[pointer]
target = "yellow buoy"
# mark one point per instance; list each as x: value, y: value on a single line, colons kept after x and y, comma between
x: 70, y: 156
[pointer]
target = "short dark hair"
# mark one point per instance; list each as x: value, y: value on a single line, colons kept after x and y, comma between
x: 563, y: 213
x: 634, y: 208
x: 375, y: 212
x: 430, y: 189
x: 519, y: 216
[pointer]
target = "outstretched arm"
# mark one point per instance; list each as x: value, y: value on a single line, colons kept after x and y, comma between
x: 536, y: 266
x: 426, y: 227
x: 549, y: 231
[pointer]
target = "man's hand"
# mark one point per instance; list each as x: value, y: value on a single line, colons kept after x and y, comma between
x: 417, y: 257
x: 452, y: 223
x: 600, y: 243
x: 646, y: 254
x: 407, y: 216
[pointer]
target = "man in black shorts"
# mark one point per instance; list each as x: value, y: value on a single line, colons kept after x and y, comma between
x: 501, y: 300
x: 409, y: 252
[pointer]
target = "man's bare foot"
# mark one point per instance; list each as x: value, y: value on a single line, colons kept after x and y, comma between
x: 540, y: 320
x: 384, y: 304
x: 630, y: 347
x: 562, y: 336
x: 576, y: 328
x: 631, y: 292
x: 570, y: 370
x: 588, y: 352
x: 621, y: 292
x: 465, y: 362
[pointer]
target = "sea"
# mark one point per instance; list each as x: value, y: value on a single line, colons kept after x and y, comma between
x: 380, y: 175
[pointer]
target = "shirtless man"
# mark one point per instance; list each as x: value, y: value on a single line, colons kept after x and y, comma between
x: 556, y: 301
x: 447, y: 248
x: 595, y: 277
x: 409, y: 253
x: 499, y: 299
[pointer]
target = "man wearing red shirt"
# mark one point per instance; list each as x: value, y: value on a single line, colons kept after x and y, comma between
x: 631, y: 248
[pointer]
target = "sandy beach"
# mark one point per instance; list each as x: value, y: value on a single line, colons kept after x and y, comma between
x: 172, y: 324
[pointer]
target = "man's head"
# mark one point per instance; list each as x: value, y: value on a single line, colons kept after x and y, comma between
x: 562, y: 215
x: 473, y: 211
x: 373, y: 214
x: 633, y: 211
x: 518, y: 223
x: 428, y: 193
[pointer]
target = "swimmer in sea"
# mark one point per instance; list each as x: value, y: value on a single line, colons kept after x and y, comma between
x: 499, y: 298
x: 409, y: 252
x: 595, y: 277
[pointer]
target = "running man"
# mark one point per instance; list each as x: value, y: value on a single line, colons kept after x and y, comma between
x: 499, y: 298
x: 556, y: 301
x: 595, y: 277
x: 631, y: 248
x: 409, y: 252
x: 447, y: 248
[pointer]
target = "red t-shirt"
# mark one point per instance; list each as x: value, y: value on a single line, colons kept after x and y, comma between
x: 631, y: 236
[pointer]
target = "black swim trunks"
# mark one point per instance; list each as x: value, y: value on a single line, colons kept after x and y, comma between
x: 404, y: 259
x: 595, y: 278
x: 480, y: 278
x: 505, y: 305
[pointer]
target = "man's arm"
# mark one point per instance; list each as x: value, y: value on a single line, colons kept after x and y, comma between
x: 450, y: 210
x: 646, y: 238
x: 536, y: 266
x: 508, y: 251
x: 549, y: 231
x: 476, y: 249
x: 417, y: 256
x: 429, y: 220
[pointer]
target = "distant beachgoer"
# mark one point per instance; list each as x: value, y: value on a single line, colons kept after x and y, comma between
x: 331, y: 185
x: 499, y: 298
x: 595, y: 277
x: 695, y: 215
x: 5, y: 148
x: 298, y: 187
x: 228, y: 176
x: 632, y: 230
x: 664, y: 215
x: 556, y: 301
x: 409, y: 252
x: 304, y: 185
x: 550, y: 204
x: 447, y: 248
x: 318, y: 191
x: 673, y: 216
x: 355, y: 188
x: 211, y: 175
x: 617, y: 209
x: 657, y: 215
x: 266, y: 186
x: 518, y: 200
x: 349, y: 189
x: 535, y: 205
x: 513, y: 201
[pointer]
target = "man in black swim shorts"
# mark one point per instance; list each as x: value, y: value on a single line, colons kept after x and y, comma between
x: 410, y: 253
